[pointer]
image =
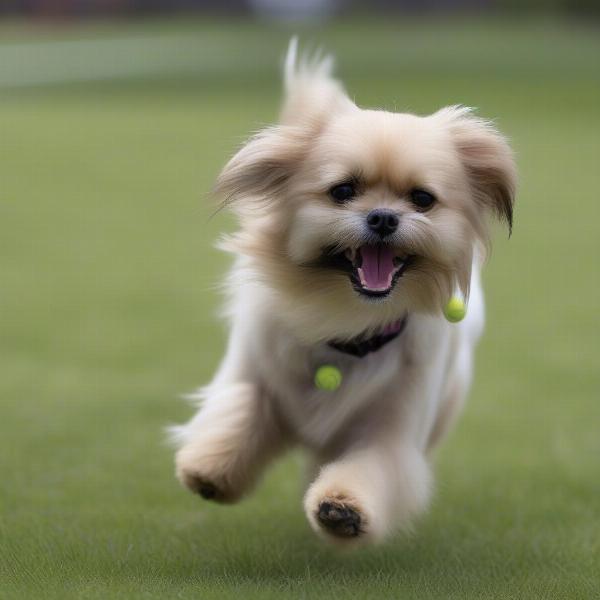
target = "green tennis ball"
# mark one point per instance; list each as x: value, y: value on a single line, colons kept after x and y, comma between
x: 455, y: 310
x: 328, y: 378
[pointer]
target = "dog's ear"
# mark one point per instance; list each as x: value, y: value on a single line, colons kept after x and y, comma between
x: 487, y: 158
x: 311, y: 92
x: 260, y: 169
x: 258, y: 172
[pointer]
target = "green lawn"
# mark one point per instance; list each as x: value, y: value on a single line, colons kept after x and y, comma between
x: 107, y: 314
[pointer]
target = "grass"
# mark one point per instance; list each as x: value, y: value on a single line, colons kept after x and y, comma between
x: 107, y: 313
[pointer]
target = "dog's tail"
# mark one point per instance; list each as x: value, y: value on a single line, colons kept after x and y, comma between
x: 309, y: 85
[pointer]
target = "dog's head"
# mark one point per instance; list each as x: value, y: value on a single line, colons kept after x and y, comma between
x: 356, y: 217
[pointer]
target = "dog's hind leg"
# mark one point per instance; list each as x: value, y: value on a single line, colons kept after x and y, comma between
x: 458, y: 382
x: 459, y: 372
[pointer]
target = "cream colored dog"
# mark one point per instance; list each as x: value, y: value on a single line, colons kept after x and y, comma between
x: 356, y: 227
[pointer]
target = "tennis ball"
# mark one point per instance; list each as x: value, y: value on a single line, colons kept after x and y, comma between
x: 328, y: 378
x: 455, y: 310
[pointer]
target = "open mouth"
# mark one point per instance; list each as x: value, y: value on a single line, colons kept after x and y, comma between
x: 374, y: 269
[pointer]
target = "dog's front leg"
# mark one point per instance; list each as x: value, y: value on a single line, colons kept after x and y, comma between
x: 226, y: 445
x: 368, y: 493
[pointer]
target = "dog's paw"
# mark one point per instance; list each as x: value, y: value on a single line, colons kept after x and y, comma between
x: 338, y: 516
x: 202, y: 486
x: 340, y: 519
x: 205, y: 477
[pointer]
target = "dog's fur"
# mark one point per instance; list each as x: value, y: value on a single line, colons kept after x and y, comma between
x: 371, y: 437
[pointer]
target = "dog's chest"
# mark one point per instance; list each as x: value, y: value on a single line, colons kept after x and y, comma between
x: 317, y: 415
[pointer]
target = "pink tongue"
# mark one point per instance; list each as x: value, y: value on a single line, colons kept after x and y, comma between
x: 377, y: 268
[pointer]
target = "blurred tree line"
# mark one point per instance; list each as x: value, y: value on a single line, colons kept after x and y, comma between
x: 91, y: 8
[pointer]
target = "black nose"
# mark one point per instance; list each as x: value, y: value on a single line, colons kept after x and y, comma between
x: 382, y: 221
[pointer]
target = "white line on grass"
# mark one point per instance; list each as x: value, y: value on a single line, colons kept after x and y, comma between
x: 43, y: 63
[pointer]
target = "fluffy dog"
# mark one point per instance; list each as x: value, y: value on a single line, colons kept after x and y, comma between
x: 356, y: 227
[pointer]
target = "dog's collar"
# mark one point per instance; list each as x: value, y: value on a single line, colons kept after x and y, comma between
x: 361, y: 346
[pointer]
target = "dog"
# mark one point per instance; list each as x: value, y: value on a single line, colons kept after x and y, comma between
x: 355, y: 229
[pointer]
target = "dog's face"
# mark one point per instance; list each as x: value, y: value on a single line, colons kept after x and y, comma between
x: 356, y: 217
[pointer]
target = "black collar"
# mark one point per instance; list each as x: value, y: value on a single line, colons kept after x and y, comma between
x: 361, y: 346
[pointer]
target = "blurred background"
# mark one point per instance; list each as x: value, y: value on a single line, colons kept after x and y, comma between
x: 115, y: 117
x: 289, y: 9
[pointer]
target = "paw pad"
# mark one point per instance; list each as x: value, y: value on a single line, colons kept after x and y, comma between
x: 339, y: 520
x: 202, y: 487
x: 207, y: 490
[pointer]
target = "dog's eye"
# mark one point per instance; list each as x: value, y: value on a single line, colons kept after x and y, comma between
x: 422, y: 199
x: 343, y: 192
